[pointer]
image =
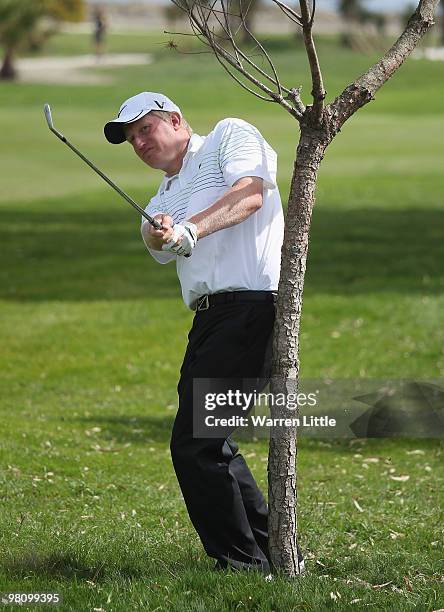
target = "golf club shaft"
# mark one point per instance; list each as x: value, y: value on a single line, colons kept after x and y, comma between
x: 124, y: 195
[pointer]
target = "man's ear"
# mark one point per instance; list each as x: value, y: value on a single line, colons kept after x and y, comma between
x: 176, y: 120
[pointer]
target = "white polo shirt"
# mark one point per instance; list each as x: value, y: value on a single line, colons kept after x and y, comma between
x: 242, y: 257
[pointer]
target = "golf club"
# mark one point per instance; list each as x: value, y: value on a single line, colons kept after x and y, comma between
x: 47, y: 111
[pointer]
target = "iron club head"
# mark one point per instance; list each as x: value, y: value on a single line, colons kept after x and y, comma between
x: 48, y: 117
x: 47, y: 111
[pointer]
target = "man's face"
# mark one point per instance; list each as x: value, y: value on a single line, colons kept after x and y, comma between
x: 156, y: 141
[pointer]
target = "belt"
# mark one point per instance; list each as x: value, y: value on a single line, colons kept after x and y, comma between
x: 204, y: 302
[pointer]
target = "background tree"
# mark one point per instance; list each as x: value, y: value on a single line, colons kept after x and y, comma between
x: 25, y: 24
x: 357, y: 21
x: 441, y: 38
x: 249, y: 8
x: 350, y: 11
x: 319, y: 124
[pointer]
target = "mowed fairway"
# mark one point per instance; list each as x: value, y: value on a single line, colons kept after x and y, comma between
x: 93, y: 333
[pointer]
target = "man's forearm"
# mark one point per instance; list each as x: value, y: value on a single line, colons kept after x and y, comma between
x: 236, y: 205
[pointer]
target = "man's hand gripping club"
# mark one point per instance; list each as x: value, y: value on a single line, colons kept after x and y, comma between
x: 180, y: 238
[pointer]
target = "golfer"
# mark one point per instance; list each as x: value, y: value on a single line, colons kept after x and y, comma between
x: 222, y: 223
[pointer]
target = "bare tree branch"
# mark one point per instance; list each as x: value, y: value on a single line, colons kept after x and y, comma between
x: 200, y: 16
x: 234, y: 61
x: 233, y: 76
x: 220, y: 52
x: 318, y: 91
x: 295, y: 96
x: 267, y: 57
x: 239, y: 53
x: 289, y: 12
x: 262, y: 72
x: 313, y: 12
x: 227, y: 30
x: 363, y: 90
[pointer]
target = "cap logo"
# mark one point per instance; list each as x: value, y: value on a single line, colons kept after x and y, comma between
x: 159, y: 104
x: 121, y: 110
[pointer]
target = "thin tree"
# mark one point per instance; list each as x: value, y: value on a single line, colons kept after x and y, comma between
x: 26, y: 23
x: 319, y: 123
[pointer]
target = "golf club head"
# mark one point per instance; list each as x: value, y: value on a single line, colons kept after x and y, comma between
x: 47, y: 111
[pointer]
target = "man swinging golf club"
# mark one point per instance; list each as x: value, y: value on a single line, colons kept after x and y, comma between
x: 222, y: 223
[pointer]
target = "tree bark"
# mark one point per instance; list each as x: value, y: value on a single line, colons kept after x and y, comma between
x: 282, y: 490
x: 7, y: 71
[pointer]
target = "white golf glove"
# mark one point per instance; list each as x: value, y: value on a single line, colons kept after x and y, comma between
x: 183, y: 240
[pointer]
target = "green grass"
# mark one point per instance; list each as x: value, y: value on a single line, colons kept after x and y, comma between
x: 93, y: 333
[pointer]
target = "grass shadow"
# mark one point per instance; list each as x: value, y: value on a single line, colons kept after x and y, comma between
x: 134, y: 429
x: 55, y: 565
x: 78, y: 255
x: 68, y: 566
x: 369, y: 445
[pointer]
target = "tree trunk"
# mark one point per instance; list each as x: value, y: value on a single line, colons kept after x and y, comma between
x: 285, y: 370
x: 7, y: 71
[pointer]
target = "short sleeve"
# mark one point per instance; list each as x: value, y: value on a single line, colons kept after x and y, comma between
x: 244, y: 152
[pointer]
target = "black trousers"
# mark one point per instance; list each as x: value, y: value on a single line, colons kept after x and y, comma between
x: 224, y: 503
